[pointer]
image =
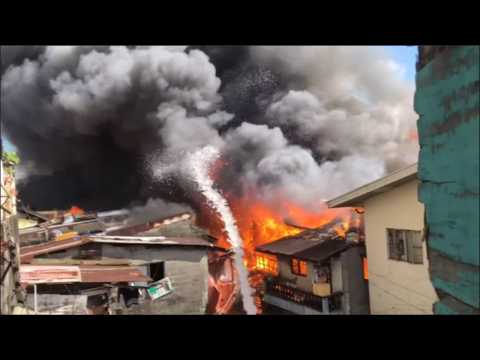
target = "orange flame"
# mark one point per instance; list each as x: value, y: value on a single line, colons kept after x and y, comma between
x: 75, y: 210
x: 260, y: 222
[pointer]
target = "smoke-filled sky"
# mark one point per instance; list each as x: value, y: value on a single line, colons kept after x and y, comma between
x: 94, y: 124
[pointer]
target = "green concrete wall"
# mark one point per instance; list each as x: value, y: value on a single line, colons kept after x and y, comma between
x: 447, y: 100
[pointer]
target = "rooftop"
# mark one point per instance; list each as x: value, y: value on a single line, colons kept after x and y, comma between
x: 27, y: 253
x: 357, y: 196
x: 308, y: 245
x: 44, y: 274
x: 291, y: 245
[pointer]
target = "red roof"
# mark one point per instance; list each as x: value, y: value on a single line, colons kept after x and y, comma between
x: 27, y: 253
x: 43, y: 274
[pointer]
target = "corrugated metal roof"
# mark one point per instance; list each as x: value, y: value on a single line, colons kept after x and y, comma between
x: 291, y: 245
x: 324, y: 250
x: 136, y: 228
x: 43, y: 274
x: 94, y: 274
x: 28, y: 252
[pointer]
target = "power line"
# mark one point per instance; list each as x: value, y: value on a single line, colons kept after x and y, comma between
x: 398, y: 298
x: 399, y: 285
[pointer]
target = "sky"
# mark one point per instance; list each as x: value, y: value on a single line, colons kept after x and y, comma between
x: 405, y: 56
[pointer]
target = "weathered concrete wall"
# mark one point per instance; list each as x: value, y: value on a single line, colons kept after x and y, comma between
x: 186, y: 266
x: 396, y: 287
x: 190, y: 294
x: 448, y: 101
x: 304, y: 283
x: 354, y: 286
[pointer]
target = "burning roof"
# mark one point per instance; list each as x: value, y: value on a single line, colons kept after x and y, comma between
x: 309, y: 245
x: 291, y: 245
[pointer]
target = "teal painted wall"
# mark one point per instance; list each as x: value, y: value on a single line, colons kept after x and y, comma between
x: 447, y: 101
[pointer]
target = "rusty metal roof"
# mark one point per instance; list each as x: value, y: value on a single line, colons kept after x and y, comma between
x: 33, y: 274
x: 43, y: 274
x: 97, y: 274
x: 28, y: 252
x: 134, y: 229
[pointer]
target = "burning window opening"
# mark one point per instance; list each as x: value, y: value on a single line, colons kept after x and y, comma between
x: 365, y: 268
x: 267, y: 264
x: 299, y: 267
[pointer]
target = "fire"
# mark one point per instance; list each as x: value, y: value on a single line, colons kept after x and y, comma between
x: 75, y: 210
x: 260, y: 222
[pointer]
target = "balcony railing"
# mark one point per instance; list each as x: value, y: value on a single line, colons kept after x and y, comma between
x: 279, y: 289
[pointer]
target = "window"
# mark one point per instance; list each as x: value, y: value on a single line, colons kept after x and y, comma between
x: 157, y: 271
x: 405, y: 245
x: 267, y: 263
x: 365, y: 268
x: 299, y: 267
x: 321, y: 275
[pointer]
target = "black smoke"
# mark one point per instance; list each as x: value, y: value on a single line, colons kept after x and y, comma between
x: 104, y: 127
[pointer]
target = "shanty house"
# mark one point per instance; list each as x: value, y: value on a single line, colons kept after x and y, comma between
x: 178, y: 268
x: 314, y: 273
x: 399, y: 281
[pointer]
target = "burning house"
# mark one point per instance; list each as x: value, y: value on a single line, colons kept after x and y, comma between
x: 314, y: 273
x: 133, y: 125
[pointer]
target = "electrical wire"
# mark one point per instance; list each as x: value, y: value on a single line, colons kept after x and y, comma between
x: 398, y: 298
x: 399, y: 285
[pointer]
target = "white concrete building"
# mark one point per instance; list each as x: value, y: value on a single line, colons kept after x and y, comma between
x: 399, y: 281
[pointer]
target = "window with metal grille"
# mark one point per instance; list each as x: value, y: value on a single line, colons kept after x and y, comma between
x: 405, y: 245
x: 299, y: 267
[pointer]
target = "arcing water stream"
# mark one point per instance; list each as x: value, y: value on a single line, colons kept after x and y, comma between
x: 199, y: 164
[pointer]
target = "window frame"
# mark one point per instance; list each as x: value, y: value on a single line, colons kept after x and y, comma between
x: 269, y: 263
x: 412, y: 244
x: 296, y: 270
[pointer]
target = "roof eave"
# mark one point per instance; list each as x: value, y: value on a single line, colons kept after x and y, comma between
x: 358, y: 196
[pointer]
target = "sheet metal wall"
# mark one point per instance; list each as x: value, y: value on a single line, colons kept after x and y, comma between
x: 447, y: 101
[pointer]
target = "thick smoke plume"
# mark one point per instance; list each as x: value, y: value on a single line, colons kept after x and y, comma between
x: 107, y: 126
